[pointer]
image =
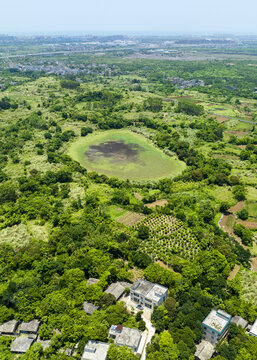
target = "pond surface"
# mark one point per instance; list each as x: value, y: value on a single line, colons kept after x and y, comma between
x: 115, y: 151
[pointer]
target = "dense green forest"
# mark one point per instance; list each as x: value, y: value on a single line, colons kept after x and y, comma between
x: 61, y: 224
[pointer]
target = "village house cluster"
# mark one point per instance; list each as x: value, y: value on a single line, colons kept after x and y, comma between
x: 183, y: 84
x: 144, y: 295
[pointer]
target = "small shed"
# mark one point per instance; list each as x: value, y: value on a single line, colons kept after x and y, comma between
x: 239, y: 321
x: 9, y: 327
x: 92, y: 281
x: 116, y: 289
x: 21, y: 344
x: 89, y: 308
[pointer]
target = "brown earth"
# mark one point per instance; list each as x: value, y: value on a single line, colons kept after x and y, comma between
x: 233, y: 272
x: 247, y: 224
x: 254, y: 263
x: 240, y: 133
x: 221, y: 119
x: 131, y: 218
x: 161, y: 203
x: 138, y: 196
x: 239, y: 206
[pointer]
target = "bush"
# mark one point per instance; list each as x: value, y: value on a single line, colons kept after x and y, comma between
x: 243, y: 214
x: 86, y: 130
x: 143, y: 232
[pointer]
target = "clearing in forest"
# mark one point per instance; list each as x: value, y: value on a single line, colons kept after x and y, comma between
x: 130, y: 218
x: 124, y: 154
x: 160, y: 203
x: 167, y: 236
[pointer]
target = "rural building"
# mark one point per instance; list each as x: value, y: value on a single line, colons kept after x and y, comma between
x: 21, y: 344
x: 9, y: 327
x: 239, y: 321
x: 117, y: 289
x: 148, y: 294
x: 95, y: 350
x: 215, y: 325
x: 89, y: 308
x: 204, y: 350
x: 92, y: 281
x: 124, y: 336
x: 45, y: 343
x: 30, y: 327
x: 253, y: 330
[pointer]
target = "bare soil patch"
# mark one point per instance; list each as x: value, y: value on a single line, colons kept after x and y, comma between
x: 239, y: 133
x: 239, y: 206
x: 254, y: 264
x: 233, y: 272
x: 130, y: 218
x: 161, y: 203
x: 221, y: 119
x: 165, y: 266
x: 138, y: 196
x: 247, y: 224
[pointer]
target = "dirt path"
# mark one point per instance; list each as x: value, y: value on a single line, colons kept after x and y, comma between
x: 233, y: 272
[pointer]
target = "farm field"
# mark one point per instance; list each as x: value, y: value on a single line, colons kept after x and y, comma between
x: 124, y: 154
x: 167, y: 236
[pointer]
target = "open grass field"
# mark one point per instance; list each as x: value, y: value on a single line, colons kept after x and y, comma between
x: 124, y: 154
x: 251, y: 207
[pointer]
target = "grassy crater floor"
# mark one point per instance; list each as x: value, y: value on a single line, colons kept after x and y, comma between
x: 124, y: 154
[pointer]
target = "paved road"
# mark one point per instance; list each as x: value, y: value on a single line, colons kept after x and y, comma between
x: 151, y: 332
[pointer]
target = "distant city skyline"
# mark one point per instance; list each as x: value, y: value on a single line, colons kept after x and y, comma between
x: 128, y: 17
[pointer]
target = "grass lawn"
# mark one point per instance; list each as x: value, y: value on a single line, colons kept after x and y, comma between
x: 132, y: 156
x: 251, y: 207
x: 116, y: 212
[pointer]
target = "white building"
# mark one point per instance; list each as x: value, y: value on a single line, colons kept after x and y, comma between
x: 95, y: 350
x: 253, y: 330
x: 148, y: 294
x: 215, y: 325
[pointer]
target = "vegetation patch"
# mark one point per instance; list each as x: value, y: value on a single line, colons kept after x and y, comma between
x: 249, y: 287
x: 126, y: 155
x: 17, y: 236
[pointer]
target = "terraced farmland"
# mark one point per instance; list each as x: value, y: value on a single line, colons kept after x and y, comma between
x: 167, y: 236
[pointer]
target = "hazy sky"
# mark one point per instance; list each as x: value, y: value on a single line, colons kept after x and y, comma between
x: 128, y: 16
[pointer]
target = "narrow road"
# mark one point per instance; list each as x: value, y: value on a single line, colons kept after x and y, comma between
x: 151, y: 332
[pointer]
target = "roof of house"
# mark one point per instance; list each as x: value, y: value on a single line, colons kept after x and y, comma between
x: 45, y: 343
x: 149, y: 290
x: 9, y: 327
x: 116, y: 289
x: 217, y: 320
x: 95, y: 350
x: 204, y: 350
x: 253, y: 330
x: 21, y: 344
x: 125, y: 336
x: 31, y: 326
x: 239, y: 321
x: 92, y: 281
x: 89, y: 308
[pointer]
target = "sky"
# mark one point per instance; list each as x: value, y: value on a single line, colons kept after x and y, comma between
x: 128, y: 16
